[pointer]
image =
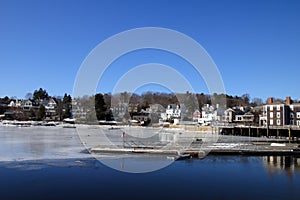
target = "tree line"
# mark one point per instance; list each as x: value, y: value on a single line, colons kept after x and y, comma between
x: 100, y: 105
x: 63, y: 108
x: 104, y: 104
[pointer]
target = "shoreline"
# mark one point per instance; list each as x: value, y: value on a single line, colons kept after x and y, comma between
x: 41, y: 142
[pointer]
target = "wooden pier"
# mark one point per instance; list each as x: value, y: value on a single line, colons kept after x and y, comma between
x: 290, y: 133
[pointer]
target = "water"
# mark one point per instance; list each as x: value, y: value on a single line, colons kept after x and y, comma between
x: 215, y: 177
x: 53, y: 174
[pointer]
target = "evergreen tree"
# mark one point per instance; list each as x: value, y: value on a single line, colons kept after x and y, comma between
x: 59, y: 108
x: 100, y: 107
x: 32, y: 114
x: 40, y: 94
x: 41, y: 112
x: 67, y: 106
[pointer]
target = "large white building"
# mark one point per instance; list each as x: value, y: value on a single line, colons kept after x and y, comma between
x: 172, y: 112
x: 208, y: 115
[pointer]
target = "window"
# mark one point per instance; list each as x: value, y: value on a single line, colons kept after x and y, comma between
x: 291, y: 122
x: 271, y: 114
x: 271, y: 107
x: 278, y: 114
x: 298, y: 122
x: 271, y: 121
x: 278, y: 122
x: 298, y: 114
x: 292, y: 115
x: 278, y: 107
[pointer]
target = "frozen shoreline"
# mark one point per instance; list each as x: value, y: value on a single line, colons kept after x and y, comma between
x: 42, y: 143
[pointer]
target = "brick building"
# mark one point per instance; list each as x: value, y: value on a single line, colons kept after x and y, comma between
x: 280, y: 114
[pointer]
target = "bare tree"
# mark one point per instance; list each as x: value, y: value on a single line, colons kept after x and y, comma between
x: 28, y: 96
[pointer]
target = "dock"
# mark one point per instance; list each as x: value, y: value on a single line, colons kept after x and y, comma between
x: 213, y: 140
x: 292, y: 133
x: 249, y: 149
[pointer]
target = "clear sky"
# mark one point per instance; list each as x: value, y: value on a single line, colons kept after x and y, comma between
x: 255, y: 44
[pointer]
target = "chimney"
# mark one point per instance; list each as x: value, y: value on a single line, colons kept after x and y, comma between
x: 270, y: 100
x: 288, y: 100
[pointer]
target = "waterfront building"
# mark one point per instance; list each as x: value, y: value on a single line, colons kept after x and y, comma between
x: 295, y: 114
x: 228, y: 116
x: 196, y: 116
x: 142, y: 117
x: 27, y: 105
x: 208, y: 115
x: 248, y: 118
x: 50, y: 108
x: 120, y: 110
x: 280, y: 114
x: 172, y: 111
x: 14, y: 103
x: 78, y: 111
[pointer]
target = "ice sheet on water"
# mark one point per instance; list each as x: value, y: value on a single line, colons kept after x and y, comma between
x: 29, y: 165
x: 39, y: 143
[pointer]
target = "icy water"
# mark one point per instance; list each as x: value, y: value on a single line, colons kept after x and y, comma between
x: 38, y: 166
x: 215, y: 177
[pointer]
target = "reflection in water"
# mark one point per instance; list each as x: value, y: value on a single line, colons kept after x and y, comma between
x: 215, y: 177
x: 280, y: 164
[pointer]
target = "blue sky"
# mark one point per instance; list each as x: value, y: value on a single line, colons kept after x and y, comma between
x: 255, y: 44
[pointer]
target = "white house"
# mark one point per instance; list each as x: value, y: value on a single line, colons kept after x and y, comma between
x: 207, y: 118
x: 121, y: 109
x: 229, y: 115
x: 27, y: 105
x: 208, y: 115
x: 50, y: 107
x: 172, y: 111
x: 14, y: 103
x: 78, y: 111
x: 51, y: 104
